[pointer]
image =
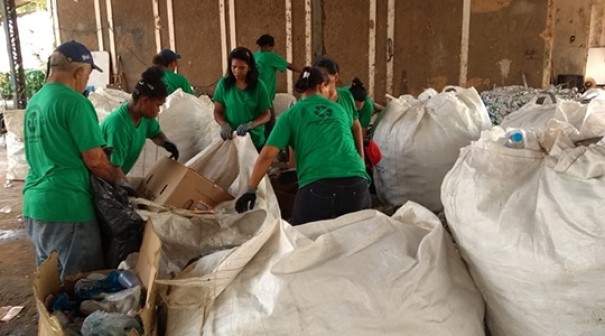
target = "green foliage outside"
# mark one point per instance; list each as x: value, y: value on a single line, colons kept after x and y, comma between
x: 34, y: 80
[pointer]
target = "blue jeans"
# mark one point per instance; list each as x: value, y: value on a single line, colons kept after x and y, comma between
x: 77, y: 244
x: 330, y: 198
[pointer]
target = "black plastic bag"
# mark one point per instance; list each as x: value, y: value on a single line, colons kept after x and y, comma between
x: 121, y: 227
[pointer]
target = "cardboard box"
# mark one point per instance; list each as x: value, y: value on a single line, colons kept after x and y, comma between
x: 171, y: 183
x: 48, y: 282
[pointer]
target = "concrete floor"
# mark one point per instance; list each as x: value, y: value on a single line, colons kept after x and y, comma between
x: 17, y: 264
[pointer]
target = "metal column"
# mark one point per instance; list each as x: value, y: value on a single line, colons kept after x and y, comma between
x: 9, y: 18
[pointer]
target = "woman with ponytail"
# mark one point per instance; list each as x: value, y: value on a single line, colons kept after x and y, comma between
x: 331, y: 175
x: 126, y: 129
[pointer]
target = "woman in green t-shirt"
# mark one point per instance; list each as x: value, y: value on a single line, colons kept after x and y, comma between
x: 332, y: 177
x: 241, y: 100
x: 126, y: 129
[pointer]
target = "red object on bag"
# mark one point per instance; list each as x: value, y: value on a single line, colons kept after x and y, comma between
x: 373, y: 153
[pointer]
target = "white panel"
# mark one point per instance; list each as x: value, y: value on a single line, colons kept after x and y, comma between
x: 595, y: 66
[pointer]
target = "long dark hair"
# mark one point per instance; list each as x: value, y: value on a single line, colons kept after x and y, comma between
x: 242, y: 54
x: 310, y: 77
x: 151, y: 85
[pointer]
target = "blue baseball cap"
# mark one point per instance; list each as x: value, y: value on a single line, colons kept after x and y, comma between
x: 169, y: 55
x: 77, y: 52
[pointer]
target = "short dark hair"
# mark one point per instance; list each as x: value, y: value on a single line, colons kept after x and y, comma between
x: 265, y: 40
x: 161, y: 61
x: 242, y: 54
x: 310, y: 77
x: 151, y: 84
x: 328, y: 64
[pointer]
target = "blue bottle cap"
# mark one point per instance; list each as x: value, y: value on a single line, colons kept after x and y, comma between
x: 516, y: 137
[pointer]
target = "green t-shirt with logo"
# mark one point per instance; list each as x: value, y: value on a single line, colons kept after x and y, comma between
x: 243, y: 106
x: 175, y: 81
x: 59, y: 124
x: 267, y: 63
x: 127, y: 140
x: 346, y: 100
x: 365, y: 113
x: 319, y: 130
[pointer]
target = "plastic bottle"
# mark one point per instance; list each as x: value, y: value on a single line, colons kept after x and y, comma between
x: 101, y: 323
x: 514, y: 140
x: 128, y: 279
x: 91, y: 288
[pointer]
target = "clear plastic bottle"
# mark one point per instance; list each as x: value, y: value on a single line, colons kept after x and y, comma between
x: 514, y: 140
x: 129, y: 279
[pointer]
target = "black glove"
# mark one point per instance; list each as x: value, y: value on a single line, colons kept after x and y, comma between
x: 245, y: 202
x: 171, y: 147
x: 129, y: 189
x: 244, y: 128
x: 226, y: 132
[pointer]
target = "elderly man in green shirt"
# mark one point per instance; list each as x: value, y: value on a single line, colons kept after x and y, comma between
x: 63, y: 146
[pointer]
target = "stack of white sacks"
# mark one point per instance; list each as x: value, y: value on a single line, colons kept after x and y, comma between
x: 361, y: 274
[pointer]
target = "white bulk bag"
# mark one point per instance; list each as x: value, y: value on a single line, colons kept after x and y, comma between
x: 15, y: 145
x: 420, y: 142
x: 529, y: 224
x: 282, y: 102
x: 107, y: 100
x: 360, y: 274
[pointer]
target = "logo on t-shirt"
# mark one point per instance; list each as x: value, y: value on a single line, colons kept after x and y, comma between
x: 323, y: 111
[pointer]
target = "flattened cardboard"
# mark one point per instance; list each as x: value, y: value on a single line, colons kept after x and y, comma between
x: 171, y: 183
x: 47, y: 282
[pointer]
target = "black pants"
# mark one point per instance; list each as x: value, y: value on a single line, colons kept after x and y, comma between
x: 330, y: 198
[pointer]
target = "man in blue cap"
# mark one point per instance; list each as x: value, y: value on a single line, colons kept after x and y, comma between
x: 63, y: 146
x: 168, y: 60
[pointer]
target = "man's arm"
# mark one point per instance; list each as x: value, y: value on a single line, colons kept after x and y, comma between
x: 97, y: 162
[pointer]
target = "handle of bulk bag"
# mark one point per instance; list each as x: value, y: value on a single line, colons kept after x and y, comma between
x: 543, y: 95
x: 451, y: 88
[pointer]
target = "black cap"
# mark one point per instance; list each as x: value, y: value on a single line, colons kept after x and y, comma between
x: 77, y: 52
x: 169, y: 55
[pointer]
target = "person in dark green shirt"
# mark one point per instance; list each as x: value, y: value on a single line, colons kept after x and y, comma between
x: 168, y: 60
x: 268, y: 62
x: 331, y: 174
x: 363, y: 104
x: 241, y: 101
x: 126, y: 129
x: 63, y: 147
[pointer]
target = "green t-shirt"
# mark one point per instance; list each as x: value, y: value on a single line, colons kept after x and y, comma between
x: 175, y: 81
x: 320, y: 132
x: 242, y: 106
x: 59, y: 124
x: 346, y: 100
x: 267, y: 63
x: 127, y: 139
x: 365, y: 114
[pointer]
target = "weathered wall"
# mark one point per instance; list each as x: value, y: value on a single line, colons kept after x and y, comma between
x: 198, y: 40
x: 427, y: 44
x: 570, y: 37
x: 507, y: 38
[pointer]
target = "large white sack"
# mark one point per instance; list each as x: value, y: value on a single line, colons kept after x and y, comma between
x: 187, y: 121
x: 529, y: 224
x: 360, y: 274
x: 107, y: 100
x: 282, y: 102
x: 420, y: 142
x: 15, y: 146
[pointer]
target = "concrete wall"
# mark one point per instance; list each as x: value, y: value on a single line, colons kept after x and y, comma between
x: 418, y: 43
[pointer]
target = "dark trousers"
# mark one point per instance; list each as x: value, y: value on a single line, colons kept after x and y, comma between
x: 330, y: 198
